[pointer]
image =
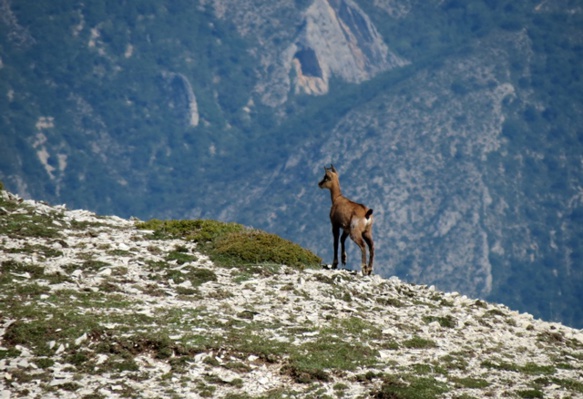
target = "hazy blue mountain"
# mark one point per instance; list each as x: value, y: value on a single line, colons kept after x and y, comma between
x: 459, y: 122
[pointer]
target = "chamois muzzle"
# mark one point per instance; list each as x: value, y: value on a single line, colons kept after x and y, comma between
x: 326, y: 178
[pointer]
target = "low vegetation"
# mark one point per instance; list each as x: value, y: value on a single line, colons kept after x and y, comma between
x: 232, y: 244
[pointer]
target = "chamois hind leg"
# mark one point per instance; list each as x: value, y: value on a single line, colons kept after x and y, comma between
x: 367, y: 235
x: 336, y: 234
x: 343, y: 247
x: 360, y: 242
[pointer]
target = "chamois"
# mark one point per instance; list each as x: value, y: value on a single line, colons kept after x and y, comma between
x: 355, y: 220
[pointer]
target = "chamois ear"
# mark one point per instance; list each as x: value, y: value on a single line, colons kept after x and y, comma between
x: 368, y: 214
x: 332, y: 168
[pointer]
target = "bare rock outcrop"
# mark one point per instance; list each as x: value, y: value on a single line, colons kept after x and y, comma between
x: 338, y: 39
x: 328, y: 38
x: 182, y: 89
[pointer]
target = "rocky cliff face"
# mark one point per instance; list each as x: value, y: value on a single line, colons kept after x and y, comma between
x: 328, y: 39
x: 338, y: 40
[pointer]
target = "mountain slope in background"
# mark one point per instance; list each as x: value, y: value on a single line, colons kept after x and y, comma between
x: 458, y: 122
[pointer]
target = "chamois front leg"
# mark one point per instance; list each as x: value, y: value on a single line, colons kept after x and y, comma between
x: 343, y: 247
x: 336, y: 233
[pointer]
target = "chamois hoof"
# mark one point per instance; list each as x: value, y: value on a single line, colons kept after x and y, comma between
x: 366, y: 271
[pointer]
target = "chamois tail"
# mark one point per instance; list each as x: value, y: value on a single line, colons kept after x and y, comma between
x: 368, y: 214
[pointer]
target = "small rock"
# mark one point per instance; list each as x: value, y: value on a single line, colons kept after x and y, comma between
x: 123, y: 247
x: 200, y: 357
x: 100, y: 358
x: 23, y: 275
x: 263, y: 380
x: 8, y: 323
x: 81, y: 339
x: 24, y: 352
x: 57, y: 382
x: 105, y: 272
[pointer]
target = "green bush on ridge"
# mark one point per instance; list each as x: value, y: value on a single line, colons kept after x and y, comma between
x: 231, y: 244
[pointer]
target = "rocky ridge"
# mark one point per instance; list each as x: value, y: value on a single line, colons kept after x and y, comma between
x: 93, y: 307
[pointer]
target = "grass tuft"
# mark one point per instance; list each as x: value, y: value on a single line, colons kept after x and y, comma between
x: 419, y: 343
x: 444, y: 321
x: 528, y: 368
x: 410, y: 387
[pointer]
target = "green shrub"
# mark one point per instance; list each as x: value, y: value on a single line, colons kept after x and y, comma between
x: 200, y: 230
x: 393, y: 387
x: 530, y: 393
x: 196, y: 276
x: 312, y: 361
x: 469, y: 382
x: 419, y: 343
x: 35, y: 334
x: 231, y: 244
x: 255, y: 246
x: 529, y: 368
x: 446, y: 321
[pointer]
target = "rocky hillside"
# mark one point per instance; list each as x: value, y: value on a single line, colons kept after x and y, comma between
x: 103, y: 307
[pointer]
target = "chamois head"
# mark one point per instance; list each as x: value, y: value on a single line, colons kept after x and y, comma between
x: 330, y: 177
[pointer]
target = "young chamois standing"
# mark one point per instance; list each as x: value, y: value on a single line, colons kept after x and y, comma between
x: 354, y: 219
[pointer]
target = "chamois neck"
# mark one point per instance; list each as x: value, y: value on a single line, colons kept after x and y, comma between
x: 335, y: 192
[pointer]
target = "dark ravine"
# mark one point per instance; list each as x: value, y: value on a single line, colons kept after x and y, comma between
x: 92, y: 307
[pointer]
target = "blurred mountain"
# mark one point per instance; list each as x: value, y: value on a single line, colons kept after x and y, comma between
x: 459, y: 122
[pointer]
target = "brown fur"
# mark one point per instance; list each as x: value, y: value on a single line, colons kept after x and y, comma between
x: 354, y: 219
